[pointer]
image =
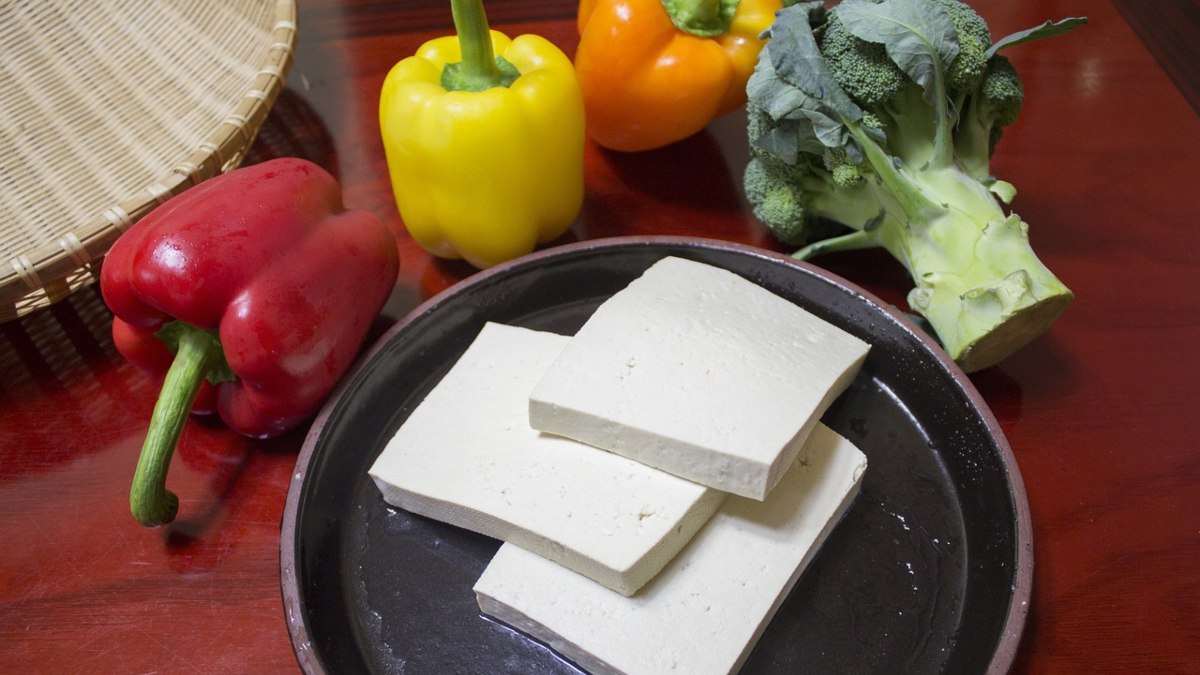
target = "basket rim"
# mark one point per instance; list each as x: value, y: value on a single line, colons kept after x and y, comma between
x: 69, y: 259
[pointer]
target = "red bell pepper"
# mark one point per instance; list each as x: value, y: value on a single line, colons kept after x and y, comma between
x: 263, y: 286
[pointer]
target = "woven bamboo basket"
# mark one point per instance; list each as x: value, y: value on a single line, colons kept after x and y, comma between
x: 107, y: 109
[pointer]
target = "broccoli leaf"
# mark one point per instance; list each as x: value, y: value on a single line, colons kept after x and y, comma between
x: 918, y: 36
x: 1048, y: 29
x: 788, y: 138
x: 782, y: 101
x: 779, y: 142
x: 797, y: 58
x: 793, y: 80
x: 775, y: 95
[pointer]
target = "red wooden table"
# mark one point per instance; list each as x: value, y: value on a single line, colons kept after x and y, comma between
x: 1102, y: 413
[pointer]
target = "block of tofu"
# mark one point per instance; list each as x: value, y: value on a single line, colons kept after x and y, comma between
x: 706, y: 610
x: 467, y: 456
x: 699, y: 372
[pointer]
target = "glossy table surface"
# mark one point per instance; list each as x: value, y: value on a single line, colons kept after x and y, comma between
x: 1102, y: 413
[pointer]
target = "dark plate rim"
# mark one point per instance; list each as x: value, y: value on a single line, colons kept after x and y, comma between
x: 293, y: 603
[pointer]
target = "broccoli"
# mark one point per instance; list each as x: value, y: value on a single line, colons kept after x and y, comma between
x: 873, y: 124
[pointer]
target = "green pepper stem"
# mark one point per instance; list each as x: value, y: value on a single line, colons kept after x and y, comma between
x: 702, y: 18
x: 479, y: 69
x: 149, y: 500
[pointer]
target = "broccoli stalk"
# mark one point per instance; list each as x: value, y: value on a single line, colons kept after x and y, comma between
x: 872, y: 125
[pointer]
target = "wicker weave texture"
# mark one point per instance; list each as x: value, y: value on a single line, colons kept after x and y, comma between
x: 109, y: 108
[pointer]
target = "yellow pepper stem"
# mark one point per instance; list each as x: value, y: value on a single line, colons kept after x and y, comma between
x: 480, y: 69
x: 702, y: 18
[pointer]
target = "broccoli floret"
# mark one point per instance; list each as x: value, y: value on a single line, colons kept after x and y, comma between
x: 806, y: 200
x: 974, y: 38
x: 778, y: 200
x: 844, y: 170
x: 881, y: 116
x: 1001, y: 91
x: 863, y: 68
x: 995, y: 104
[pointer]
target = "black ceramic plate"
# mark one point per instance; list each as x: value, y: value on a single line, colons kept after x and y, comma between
x: 930, y: 570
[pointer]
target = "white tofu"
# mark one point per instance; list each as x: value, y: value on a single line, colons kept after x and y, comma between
x: 467, y: 456
x: 699, y: 372
x: 706, y: 610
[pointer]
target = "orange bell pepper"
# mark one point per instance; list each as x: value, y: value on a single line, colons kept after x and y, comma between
x: 654, y: 72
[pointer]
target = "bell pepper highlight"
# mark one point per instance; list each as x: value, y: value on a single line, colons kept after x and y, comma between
x: 484, y: 141
x: 251, y: 294
x: 654, y: 72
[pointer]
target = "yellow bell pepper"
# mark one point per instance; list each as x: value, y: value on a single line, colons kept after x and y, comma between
x: 484, y: 141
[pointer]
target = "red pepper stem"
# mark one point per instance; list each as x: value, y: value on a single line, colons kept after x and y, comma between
x: 152, y: 504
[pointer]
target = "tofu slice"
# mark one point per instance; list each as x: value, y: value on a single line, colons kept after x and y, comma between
x: 699, y: 372
x: 467, y: 456
x: 706, y: 610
